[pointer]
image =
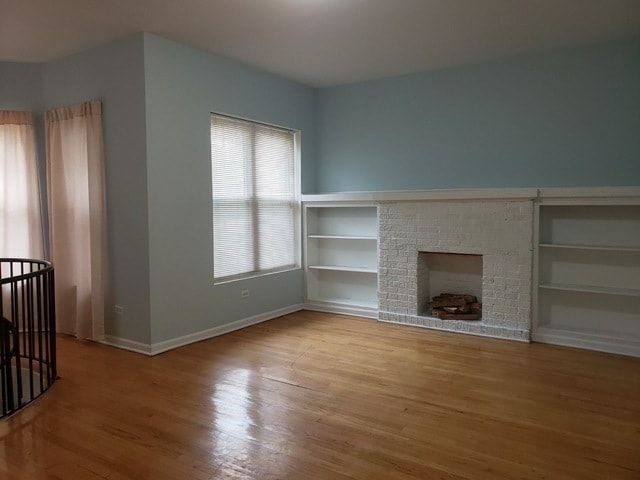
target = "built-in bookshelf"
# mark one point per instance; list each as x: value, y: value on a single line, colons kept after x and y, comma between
x: 341, y: 258
x: 588, y: 276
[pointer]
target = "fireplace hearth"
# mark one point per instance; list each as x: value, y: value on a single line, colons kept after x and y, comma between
x: 452, y: 306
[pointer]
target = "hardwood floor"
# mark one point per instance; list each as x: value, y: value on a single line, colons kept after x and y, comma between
x: 321, y: 396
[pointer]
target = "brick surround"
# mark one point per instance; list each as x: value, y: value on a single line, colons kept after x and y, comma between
x: 499, y: 230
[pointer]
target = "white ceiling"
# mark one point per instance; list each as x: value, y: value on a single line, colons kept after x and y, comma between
x: 321, y: 42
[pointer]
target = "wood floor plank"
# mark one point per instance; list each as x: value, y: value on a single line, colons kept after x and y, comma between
x: 313, y: 395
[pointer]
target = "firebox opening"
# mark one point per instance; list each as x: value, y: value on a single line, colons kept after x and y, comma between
x: 453, y: 273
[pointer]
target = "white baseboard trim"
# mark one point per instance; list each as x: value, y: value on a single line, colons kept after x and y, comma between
x: 125, y: 344
x: 160, y: 347
x: 342, y: 309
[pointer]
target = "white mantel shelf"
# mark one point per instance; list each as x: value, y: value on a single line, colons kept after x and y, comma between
x: 478, y: 194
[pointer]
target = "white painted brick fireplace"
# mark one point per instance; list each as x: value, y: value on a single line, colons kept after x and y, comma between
x: 499, y: 230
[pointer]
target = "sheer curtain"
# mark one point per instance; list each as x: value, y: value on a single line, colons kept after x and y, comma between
x: 75, y: 184
x: 20, y: 220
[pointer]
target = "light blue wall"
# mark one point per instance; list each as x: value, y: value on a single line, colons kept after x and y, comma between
x: 115, y: 74
x: 20, y: 86
x: 157, y: 97
x: 183, y: 86
x: 565, y: 118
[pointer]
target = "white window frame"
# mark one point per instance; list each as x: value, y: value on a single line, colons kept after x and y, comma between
x: 296, y: 206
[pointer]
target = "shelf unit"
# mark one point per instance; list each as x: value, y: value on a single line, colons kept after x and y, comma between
x: 341, y: 257
x: 587, y: 276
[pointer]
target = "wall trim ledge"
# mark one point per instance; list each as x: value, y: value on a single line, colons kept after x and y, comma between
x: 525, y: 193
x: 417, y: 195
x: 589, y: 192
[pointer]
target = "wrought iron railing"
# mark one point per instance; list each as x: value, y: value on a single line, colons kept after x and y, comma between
x: 27, y: 331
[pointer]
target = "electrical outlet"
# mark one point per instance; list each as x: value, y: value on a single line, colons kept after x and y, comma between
x: 244, y: 293
x: 118, y: 309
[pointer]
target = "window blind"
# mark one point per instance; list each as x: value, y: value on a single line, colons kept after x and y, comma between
x: 255, y: 205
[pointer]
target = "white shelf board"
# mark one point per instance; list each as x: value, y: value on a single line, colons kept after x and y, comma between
x: 591, y: 247
x: 372, y: 304
x: 630, y: 194
x: 630, y: 292
x: 416, y: 195
x: 343, y: 268
x: 600, y: 193
x: 343, y: 309
x: 345, y: 237
x: 605, y: 341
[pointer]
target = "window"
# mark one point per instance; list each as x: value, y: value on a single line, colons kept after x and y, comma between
x: 255, y: 199
x: 20, y: 221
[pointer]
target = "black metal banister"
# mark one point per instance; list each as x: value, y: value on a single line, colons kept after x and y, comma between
x: 27, y: 331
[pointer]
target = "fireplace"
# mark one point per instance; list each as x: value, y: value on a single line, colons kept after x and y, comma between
x: 454, y: 273
x: 430, y: 247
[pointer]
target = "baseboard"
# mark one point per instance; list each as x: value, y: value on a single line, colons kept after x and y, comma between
x: 342, y: 309
x: 164, y: 346
x: 125, y: 344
